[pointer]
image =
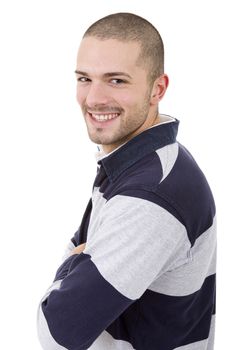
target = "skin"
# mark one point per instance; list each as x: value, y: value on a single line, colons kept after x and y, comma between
x: 110, y: 81
x: 101, y: 91
x: 79, y: 249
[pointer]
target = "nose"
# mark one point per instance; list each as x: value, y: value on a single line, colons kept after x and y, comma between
x: 96, y: 95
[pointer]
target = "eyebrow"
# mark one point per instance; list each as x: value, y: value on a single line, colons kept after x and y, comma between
x: 106, y: 75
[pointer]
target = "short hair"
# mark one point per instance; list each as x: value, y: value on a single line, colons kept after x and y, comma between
x: 130, y: 27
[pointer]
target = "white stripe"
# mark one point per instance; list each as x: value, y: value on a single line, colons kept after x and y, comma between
x: 189, y: 277
x: 46, y: 340
x: 207, y: 344
x: 168, y: 156
x: 135, y: 241
x: 106, y: 341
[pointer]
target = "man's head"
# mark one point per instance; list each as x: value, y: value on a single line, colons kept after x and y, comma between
x: 127, y: 27
x: 120, y: 71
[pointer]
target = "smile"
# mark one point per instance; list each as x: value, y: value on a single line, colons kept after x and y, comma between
x: 105, y: 116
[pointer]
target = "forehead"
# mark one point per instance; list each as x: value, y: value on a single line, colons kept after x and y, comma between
x: 107, y: 55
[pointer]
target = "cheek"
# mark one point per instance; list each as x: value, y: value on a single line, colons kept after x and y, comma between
x: 126, y: 99
x: 80, y: 95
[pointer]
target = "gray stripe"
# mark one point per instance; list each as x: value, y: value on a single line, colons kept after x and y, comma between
x: 168, y: 156
x: 207, y: 344
x: 210, y: 340
x: 135, y: 241
x: 46, y: 340
x: 106, y: 341
x: 98, y: 202
x: 189, y: 277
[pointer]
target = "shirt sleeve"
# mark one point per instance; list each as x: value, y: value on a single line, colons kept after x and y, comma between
x: 135, y: 242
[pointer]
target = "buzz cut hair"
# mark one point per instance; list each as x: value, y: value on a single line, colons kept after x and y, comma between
x: 127, y: 27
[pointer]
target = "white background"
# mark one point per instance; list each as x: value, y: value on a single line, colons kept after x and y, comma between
x: 47, y: 162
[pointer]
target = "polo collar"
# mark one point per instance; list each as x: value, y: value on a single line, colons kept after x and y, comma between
x: 138, y: 147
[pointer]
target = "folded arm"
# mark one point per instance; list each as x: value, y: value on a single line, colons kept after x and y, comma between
x: 134, y: 243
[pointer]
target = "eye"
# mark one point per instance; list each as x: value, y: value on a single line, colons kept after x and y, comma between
x: 83, y: 79
x: 118, y: 81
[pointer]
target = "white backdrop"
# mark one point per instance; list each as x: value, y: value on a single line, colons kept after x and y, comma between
x: 44, y: 145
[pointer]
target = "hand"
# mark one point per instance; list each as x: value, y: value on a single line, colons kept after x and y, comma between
x: 78, y: 249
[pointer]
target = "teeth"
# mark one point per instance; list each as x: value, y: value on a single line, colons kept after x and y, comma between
x: 103, y: 117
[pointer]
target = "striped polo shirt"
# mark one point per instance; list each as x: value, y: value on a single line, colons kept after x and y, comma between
x: 146, y: 278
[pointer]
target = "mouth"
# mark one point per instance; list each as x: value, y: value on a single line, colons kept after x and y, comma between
x: 103, y: 117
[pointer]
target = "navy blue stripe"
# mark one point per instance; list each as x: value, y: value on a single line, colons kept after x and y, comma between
x: 84, y: 306
x: 101, y: 180
x: 176, y: 320
x: 139, y: 147
x: 74, y: 240
x: 123, y: 328
x: 80, y: 235
x: 162, y: 322
x: 146, y: 174
x: 187, y: 190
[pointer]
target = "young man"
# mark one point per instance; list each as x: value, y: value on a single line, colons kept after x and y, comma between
x: 140, y: 270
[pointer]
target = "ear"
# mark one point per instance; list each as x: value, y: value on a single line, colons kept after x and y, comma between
x: 159, y: 88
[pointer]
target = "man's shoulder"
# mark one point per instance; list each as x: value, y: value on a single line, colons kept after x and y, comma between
x: 171, y: 178
x: 172, y: 165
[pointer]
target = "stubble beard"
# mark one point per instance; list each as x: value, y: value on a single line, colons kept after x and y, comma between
x: 128, y: 125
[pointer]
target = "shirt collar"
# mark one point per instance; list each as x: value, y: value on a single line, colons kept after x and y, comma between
x: 138, y: 147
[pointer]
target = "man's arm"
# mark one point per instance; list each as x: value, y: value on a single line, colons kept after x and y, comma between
x: 136, y: 241
x: 79, y: 249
